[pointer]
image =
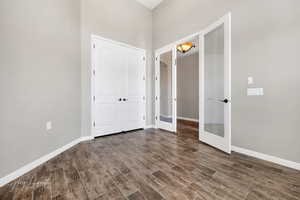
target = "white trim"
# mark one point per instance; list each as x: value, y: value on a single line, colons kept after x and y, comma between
x: 97, y: 37
x: 149, y: 126
x: 86, y: 138
x: 279, y: 161
x: 92, y: 78
x: 188, y: 119
x: 27, y: 168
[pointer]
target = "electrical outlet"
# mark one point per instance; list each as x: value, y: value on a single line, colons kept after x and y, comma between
x: 255, y: 91
x: 49, y: 126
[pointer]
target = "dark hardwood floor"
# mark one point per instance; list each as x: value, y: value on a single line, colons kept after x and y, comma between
x: 187, y: 129
x: 154, y: 164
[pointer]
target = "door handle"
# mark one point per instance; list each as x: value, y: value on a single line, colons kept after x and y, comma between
x: 219, y: 100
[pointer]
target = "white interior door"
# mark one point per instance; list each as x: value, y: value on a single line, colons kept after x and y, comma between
x: 118, y: 87
x: 165, y: 98
x: 108, y: 77
x: 135, y: 97
x: 215, y: 85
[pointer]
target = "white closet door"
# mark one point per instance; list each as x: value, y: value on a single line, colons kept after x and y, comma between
x: 134, y: 107
x: 109, y: 76
x: 118, y: 88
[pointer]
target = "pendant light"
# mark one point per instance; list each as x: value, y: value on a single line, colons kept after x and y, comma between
x: 185, y: 47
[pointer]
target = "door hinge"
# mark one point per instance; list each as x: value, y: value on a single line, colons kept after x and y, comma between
x: 144, y: 58
x: 144, y: 118
x: 156, y: 58
x: 94, y: 98
x: 144, y: 98
x: 156, y: 118
x: 94, y: 124
x: 156, y: 78
x: 144, y: 78
x: 94, y: 72
x: 94, y: 46
x: 156, y: 98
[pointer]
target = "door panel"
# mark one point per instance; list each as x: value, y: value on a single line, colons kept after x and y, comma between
x: 214, y: 81
x: 166, y: 91
x: 215, y: 85
x: 135, y: 97
x: 108, y: 65
x: 118, y: 87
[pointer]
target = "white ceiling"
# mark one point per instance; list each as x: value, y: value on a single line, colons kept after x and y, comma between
x: 151, y: 4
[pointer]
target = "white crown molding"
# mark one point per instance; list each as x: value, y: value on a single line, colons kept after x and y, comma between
x: 279, y: 161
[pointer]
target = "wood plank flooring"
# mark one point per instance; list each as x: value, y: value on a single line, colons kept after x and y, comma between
x: 187, y: 129
x: 153, y: 164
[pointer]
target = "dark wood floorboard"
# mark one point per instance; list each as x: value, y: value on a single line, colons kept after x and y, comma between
x: 154, y: 165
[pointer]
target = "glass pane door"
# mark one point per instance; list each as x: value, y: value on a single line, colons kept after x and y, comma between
x: 214, y: 82
x: 166, y: 91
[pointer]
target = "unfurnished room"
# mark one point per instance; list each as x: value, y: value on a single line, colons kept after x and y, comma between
x: 149, y: 100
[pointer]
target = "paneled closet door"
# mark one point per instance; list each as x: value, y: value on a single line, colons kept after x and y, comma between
x: 109, y: 68
x: 134, y: 100
x: 118, y: 87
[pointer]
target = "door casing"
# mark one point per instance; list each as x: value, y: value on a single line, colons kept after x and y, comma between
x: 92, y: 78
x: 226, y: 20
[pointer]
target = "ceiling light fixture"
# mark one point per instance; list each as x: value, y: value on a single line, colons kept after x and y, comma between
x: 185, y: 47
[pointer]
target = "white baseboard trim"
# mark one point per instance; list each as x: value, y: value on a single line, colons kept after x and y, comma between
x: 188, y: 119
x: 149, y: 126
x: 27, y: 168
x: 86, y: 138
x: 279, y: 161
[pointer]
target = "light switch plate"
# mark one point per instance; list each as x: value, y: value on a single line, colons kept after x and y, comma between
x: 48, y: 126
x: 250, y: 80
x: 255, y: 91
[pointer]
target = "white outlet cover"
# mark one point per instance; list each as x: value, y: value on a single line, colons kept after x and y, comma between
x: 48, y: 126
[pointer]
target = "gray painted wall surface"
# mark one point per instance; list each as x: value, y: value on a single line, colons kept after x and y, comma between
x: 266, y: 40
x: 188, y: 86
x: 124, y: 21
x: 39, y: 78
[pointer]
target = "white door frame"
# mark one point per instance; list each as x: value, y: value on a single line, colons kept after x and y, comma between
x: 222, y: 143
x: 226, y: 19
x: 160, y: 124
x: 92, y: 78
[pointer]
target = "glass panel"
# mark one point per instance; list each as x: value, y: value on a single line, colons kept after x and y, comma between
x: 214, y: 82
x: 166, y: 111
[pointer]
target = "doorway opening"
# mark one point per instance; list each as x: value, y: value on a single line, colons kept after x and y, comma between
x: 187, y: 67
x: 193, y: 86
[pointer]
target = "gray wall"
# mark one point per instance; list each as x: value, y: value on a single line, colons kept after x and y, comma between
x: 125, y: 21
x: 188, y: 86
x: 39, y: 78
x: 266, y: 40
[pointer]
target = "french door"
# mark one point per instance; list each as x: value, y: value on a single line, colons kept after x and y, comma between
x: 215, y: 85
x: 165, y: 93
x: 118, y: 87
